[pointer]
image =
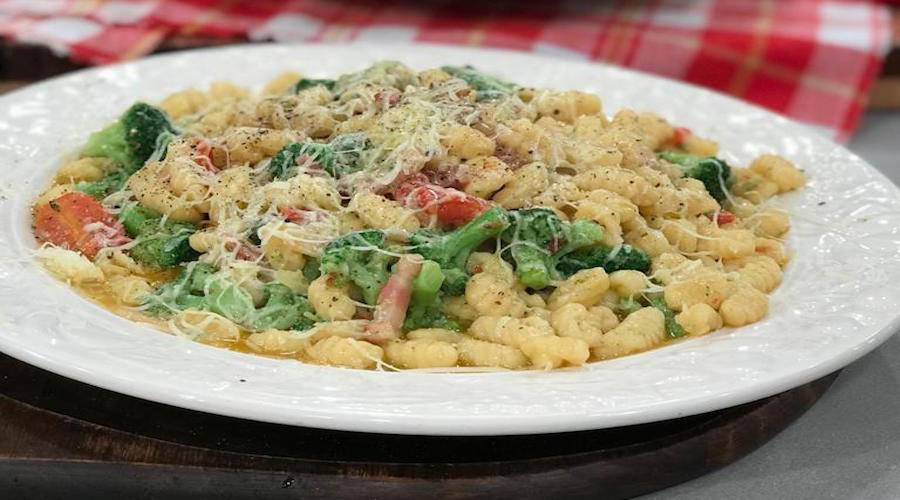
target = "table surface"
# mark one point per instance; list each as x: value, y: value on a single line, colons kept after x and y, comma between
x: 848, y: 445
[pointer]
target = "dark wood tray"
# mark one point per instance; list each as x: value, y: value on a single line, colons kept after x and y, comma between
x: 64, y: 439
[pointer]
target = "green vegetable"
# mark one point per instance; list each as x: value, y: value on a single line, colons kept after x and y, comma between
x: 306, y: 83
x: 311, y: 269
x: 627, y: 306
x: 200, y: 287
x: 486, y: 86
x: 610, y: 259
x: 184, y: 292
x: 381, y: 74
x: 283, y: 310
x: 359, y: 258
x: 539, y: 240
x: 226, y: 298
x: 714, y: 173
x: 451, y: 250
x: 534, y: 235
x: 339, y: 157
x: 105, y: 186
x: 673, y: 329
x: 425, y: 305
x: 133, y: 138
x: 159, y: 244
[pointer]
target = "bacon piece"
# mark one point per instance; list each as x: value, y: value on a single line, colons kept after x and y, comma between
x: 681, y: 134
x: 393, y: 300
x: 201, y: 153
x: 724, y: 217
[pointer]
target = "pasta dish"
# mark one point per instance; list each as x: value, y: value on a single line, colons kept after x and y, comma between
x: 398, y: 219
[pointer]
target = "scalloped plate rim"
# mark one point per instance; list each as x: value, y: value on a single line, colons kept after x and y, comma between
x: 356, y: 419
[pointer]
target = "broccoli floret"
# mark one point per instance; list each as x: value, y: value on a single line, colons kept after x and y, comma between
x: 339, y: 157
x: 133, y: 138
x: 486, y: 86
x: 713, y: 172
x: 451, y: 250
x: 105, y: 186
x: 534, y: 235
x: 199, y: 287
x: 307, y: 83
x: 578, y: 236
x: 159, y: 244
x: 283, y: 310
x: 425, y: 305
x: 610, y: 259
x: 311, y: 269
x: 539, y: 240
x: 347, y: 149
x: 226, y: 298
x: 383, y: 73
x: 673, y: 329
x: 359, y: 258
x: 184, y: 292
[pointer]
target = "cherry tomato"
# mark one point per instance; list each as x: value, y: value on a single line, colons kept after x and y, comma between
x: 450, y: 206
x: 78, y: 222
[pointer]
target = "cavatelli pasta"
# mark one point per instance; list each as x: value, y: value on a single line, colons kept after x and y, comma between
x: 402, y: 219
x: 639, y: 331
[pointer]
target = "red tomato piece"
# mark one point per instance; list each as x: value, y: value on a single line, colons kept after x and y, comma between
x: 450, y: 206
x: 78, y: 222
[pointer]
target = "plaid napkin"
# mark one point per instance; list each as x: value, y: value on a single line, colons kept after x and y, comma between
x: 812, y: 60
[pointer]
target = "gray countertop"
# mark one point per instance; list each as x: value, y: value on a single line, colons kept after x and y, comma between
x: 848, y: 445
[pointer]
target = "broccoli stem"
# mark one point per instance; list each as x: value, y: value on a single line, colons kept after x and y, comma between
x: 463, y: 241
x: 427, y: 283
x: 531, y: 266
x: 673, y: 329
x: 425, y: 306
x: 452, y: 250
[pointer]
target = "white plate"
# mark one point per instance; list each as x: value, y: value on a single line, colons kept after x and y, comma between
x: 839, y: 299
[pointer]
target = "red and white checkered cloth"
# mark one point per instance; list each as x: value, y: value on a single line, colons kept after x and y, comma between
x: 812, y: 60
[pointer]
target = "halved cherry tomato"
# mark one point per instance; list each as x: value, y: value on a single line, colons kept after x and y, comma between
x: 681, y: 134
x: 450, y: 206
x: 725, y: 217
x: 76, y: 221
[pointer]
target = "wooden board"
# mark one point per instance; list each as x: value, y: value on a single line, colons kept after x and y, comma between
x: 64, y: 439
